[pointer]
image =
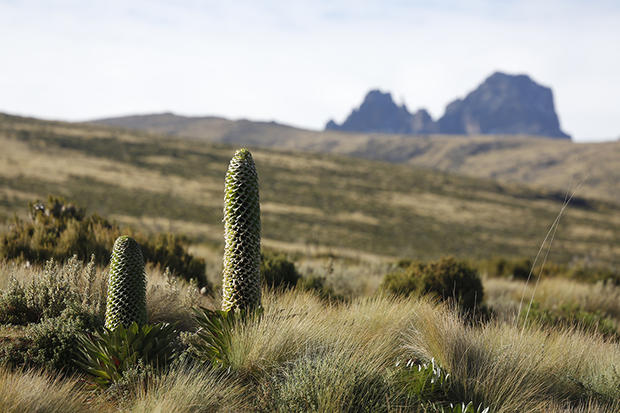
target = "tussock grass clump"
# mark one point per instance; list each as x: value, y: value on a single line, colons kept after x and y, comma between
x: 171, y: 300
x: 31, y: 391
x: 331, y: 380
x: 602, y: 298
x: 192, y: 390
x: 294, y: 321
x: 513, y: 369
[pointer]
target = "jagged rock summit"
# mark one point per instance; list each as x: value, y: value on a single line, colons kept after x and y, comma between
x: 502, y: 104
x: 379, y: 113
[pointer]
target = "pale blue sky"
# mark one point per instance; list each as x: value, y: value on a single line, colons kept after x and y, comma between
x: 302, y: 62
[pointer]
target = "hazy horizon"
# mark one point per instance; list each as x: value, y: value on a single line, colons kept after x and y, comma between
x: 302, y: 63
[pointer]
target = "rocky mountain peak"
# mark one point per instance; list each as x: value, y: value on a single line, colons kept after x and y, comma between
x: 378, y: 113
x: 502, y: 104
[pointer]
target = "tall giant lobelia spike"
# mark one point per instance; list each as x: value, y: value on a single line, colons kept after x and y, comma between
x: 126, y: 285
x: 241, y: 278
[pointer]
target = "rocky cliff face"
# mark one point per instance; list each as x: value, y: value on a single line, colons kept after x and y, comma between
x: 379, y: 113
x: 502, y: 104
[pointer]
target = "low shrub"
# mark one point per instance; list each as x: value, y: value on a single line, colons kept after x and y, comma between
x: 422, y: 381
x: 592, y: 273
x: 572, y: 316
x: 317, y: 284
x: 14, y: 307
x: 520, y: 269
x: 50, y: 293
x: 58, y: 229
x: 402, y: 282
x: 448, y: 279
x: 278, y: 272
x: 516, y: 268
x: 51, y: 343
x: 56, y: 305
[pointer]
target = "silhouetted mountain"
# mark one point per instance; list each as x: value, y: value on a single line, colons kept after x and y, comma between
x: 379, y: 114
x: 504, y: 104
x: 422, y: 122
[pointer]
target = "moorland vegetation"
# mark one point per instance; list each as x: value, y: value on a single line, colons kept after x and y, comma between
x: 434, y: 336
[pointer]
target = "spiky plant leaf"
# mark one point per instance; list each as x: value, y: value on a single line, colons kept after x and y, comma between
x: 212, y: 342
x: 241, y: 275
x: 126, y: 302
x: 107, y: 354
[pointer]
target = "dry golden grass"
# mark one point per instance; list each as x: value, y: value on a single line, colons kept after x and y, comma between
x: 191, y: 390
x: 30, y: 391
x: 505, y: 295
x: 514, y: 370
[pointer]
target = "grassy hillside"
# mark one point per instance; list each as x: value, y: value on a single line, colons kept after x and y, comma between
x: 543, y: 162
x: 318, y: 204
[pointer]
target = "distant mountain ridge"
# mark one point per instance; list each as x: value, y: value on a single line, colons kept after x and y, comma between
x: 502, y: 104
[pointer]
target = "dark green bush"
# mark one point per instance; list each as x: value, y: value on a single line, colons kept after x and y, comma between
x: 168, y: 250
x: 278, y: 272
x: 401, y: 282
x: 51, y: 343
x: 517, y: 268
x: 317, y: 284
x: 59, y: 230
x: 521, y: 269
x: 578, y: 270
x: 448, y: 279
x: 572, y: 316
x: 14, y: 307
x: 593, y: 273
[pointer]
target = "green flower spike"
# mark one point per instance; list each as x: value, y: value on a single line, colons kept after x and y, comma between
x: 126, y: 301
x: 241, y: 277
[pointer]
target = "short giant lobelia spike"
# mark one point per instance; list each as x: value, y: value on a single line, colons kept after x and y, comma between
x: 126, y: 285
x: 241, y: 278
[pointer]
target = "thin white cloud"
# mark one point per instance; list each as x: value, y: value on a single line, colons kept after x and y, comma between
x: 302, y: 62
